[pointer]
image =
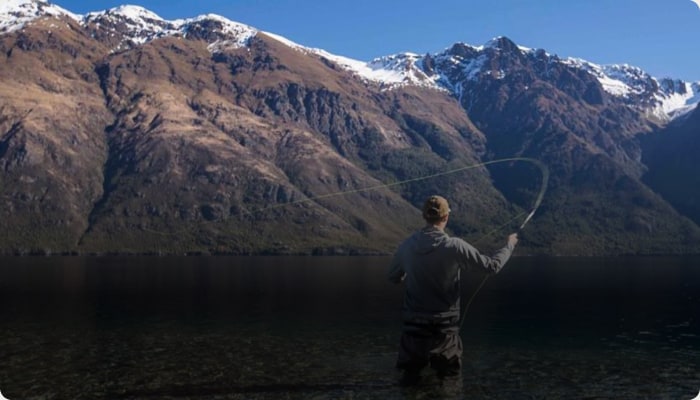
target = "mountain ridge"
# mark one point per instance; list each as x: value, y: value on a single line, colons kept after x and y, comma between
x: 223, y: 140
x: 666, y: 98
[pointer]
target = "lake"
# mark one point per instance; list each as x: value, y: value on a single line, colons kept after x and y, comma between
x: 328, y: 328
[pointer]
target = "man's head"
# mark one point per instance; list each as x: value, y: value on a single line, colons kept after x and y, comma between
x: 435, y: 210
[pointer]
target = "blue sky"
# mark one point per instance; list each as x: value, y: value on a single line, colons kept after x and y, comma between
x: 660, y: 36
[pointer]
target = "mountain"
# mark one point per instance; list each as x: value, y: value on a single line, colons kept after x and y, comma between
x: 122, y: 132
x: 673, y: 170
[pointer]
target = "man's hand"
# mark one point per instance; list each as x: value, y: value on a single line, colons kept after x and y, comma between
x: 513, y: 239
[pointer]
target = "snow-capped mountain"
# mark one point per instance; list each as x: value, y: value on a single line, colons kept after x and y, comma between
x: 662, y: 98
x: 137, y: 25
x: 448, y: 70
x: 117, y: 123
x: 128, y: 26
x: 462, y: 63
x: 14, y: 14
x: 132, y: 25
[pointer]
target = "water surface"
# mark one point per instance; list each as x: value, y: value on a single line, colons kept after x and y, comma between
x: 328, y: 327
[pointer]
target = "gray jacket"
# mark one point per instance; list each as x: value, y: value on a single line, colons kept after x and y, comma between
x: 430, y: 262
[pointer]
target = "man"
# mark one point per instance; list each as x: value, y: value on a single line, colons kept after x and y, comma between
x: 430, y: 261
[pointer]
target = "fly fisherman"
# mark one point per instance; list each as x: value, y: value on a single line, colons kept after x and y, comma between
x: 430, y: 261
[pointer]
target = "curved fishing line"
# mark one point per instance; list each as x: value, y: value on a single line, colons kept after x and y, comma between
x: 346, y: 192
x: 397, y: 183
x: 543, y: 169
x: 367, y: 189
x: 538, y: 201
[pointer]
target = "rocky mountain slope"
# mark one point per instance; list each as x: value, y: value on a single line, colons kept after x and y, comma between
x: 123, y: 132
x: 673, y: 170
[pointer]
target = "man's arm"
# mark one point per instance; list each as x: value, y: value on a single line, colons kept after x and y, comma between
x: 491, y: 264
x: 396, y: 273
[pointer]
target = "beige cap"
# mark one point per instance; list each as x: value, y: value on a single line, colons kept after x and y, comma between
x: 435, y: 208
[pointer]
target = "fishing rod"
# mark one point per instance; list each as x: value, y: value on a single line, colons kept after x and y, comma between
x: 538, y: 201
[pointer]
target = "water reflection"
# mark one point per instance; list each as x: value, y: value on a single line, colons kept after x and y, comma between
x: 327, y: 328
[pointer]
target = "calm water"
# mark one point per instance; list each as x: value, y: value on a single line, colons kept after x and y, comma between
x: 327, y: 328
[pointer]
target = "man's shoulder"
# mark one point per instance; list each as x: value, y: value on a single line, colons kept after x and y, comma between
x: 457, y: 243
x: 454, y: 240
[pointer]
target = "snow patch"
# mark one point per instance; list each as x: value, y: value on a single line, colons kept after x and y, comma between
x: 612, y: 85
x: 15, y: 14
x: 472, y: 69
x: 678, y: 103
x: 392, y: 71
x: 144, y: 26
x: 136, y: 13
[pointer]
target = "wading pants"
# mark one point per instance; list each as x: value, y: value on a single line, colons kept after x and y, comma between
x: 436, y: 344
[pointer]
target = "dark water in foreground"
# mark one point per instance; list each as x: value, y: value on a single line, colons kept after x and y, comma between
x: 327, y: 328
